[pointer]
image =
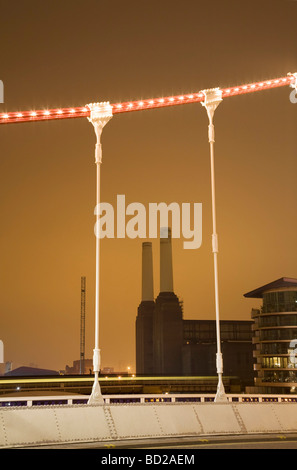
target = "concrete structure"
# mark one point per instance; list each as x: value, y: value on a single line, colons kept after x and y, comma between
x: 275, y: 337
x: 111, y: 423
x: 159, y: 323
x: 166, y: 344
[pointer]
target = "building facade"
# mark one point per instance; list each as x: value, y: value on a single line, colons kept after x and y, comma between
x: 200, y: 347
x: 275, y: 337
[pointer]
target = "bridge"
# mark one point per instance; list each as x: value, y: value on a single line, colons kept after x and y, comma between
x: 101, y: 419
x: 99, y: 114
x: 147, y: 418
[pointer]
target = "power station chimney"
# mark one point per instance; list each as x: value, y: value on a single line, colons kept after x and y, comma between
x: 166, y: 274
x: 147, y: 272
x: 145, y: 315
x: 168, y: 316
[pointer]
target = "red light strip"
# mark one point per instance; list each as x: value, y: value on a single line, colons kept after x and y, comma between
x: 83, y: 111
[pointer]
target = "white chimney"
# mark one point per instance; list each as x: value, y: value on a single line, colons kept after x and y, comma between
x: 147, y: 272
x: 166, y: 274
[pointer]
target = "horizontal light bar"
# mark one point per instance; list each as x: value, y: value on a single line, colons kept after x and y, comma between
x: 83, y: 111
x: 90, y: 378
x: 44, y: 115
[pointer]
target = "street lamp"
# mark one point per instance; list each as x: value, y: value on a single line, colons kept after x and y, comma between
x: 213, y: 97
x: 100, y: 114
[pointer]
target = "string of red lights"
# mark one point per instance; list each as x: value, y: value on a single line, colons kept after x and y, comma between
x: 139, y: 105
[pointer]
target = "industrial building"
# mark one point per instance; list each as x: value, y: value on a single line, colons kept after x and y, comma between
x: 166, y: 344
x: 275, y: 337
x: 200, y: 347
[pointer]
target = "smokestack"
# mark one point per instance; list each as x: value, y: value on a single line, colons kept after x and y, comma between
x: 147, y: 272
x: 166, y: 274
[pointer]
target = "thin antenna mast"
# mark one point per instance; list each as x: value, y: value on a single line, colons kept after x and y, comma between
x: 82, y: 324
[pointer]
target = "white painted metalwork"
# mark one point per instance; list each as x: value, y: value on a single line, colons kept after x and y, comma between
x: 101, y: 113
x: 149, y: 399
x: 213, y: 97
x: 111, y: 423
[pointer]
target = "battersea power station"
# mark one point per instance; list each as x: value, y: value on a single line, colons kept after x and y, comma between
x: 168, y: 345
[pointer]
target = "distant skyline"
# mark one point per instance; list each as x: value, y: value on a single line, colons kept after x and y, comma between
x: 63, y: 54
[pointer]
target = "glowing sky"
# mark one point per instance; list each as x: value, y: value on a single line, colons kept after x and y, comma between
x: 62, y: 54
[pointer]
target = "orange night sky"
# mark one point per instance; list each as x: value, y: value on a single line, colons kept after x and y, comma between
x: 62, y: 54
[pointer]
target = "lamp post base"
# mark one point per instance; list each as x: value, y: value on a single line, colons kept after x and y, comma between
x: 96, y: 397
x: 221, y: 396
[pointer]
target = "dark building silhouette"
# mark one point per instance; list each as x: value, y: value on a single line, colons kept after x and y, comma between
x: 159, y: 331
x: 30, y: 371
x: 166, y: 344
x: 167, y: 335
x: 144, y: 338
x: 145, y: 316
x: 168, y: 316
x: 200, y: 347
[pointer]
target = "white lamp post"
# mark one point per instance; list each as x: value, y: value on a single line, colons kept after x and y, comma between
x: 101, y: 113
x: 213, y: 97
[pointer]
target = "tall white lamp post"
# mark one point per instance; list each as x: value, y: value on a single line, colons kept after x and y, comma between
x: 213, y: 97
x: 101, y: 113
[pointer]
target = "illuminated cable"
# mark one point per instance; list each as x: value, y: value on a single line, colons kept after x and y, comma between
x: 82, y: 111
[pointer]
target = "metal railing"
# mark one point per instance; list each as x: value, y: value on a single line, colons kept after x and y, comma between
x: 146, y: 398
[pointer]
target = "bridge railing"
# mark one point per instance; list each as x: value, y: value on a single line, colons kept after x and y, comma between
x: 144, y: 398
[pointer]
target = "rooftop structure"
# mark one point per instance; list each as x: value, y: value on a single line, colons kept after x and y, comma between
x: 283, y: 282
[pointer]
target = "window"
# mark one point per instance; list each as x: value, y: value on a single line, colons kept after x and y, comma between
x: 282, y: 301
